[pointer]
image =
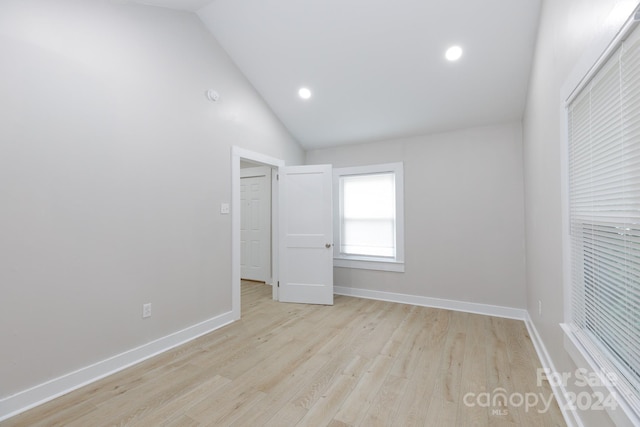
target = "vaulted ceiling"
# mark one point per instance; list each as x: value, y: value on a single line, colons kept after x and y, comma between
x: 376, y: 69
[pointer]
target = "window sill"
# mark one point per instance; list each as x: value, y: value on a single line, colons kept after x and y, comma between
x: 586, y: 363
x: 367, y: 264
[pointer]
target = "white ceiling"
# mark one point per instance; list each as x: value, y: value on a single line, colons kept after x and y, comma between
x: 191, y: 5
x: 376, y: 68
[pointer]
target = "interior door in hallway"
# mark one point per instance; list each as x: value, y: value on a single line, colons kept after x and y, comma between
x: 255, y: 224
x: 306, y: 234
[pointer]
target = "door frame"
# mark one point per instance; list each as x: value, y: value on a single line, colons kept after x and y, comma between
x: 238, y: 154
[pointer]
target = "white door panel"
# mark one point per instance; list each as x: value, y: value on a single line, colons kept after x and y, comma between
x: 255, y: 224
x: 306, y: 234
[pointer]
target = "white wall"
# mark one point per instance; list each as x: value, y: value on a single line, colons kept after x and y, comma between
x: 569, y: 29
x: 464, y: 215
x: 112, y: 168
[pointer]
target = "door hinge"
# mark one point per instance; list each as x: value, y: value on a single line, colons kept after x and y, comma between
x: 278, y: 283
x: 277, y: 177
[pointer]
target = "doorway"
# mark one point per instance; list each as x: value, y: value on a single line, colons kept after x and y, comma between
x: 240, y: 156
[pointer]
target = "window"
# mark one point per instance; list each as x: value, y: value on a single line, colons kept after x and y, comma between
x: 604, y: 219
x: 369, y: 226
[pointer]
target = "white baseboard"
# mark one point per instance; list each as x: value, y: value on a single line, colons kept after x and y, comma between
x: 27, y: 399
x: 560, y: 392
x: 468, y: 307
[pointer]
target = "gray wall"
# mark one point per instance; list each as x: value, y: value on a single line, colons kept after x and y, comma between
x: 112, y: 169
x: 464, y: 215
x: 569, y: 29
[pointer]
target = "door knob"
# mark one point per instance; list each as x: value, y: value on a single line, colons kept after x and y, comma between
x: 327, y: 245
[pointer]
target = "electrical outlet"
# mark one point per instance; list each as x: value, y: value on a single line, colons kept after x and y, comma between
x: 146, y: 310
x: 539, y: 307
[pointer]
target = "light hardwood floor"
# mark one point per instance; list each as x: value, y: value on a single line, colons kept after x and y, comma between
x: 357, y: 363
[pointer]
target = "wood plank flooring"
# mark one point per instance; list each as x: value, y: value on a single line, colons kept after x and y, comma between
x: 357, y: 363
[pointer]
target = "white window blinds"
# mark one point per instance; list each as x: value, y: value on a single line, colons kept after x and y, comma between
x: 604, y: 208
x: 368, y: 215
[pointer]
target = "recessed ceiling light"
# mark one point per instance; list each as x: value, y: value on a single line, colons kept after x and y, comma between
x: 453, y: 53
x: 304, y: 93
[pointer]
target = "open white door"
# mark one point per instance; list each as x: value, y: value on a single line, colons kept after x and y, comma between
x: 306, y: 234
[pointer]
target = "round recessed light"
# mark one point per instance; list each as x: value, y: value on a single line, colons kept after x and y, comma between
x: 304, y: 93
x: 453, y: 53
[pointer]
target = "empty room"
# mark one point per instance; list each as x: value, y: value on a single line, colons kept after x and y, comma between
x: 319, y: 213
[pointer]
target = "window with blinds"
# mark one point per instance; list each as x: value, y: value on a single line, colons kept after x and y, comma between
x: 369, y: 217
x: 604, y: 215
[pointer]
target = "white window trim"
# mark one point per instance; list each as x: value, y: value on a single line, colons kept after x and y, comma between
x: 364, y: 262
x: 620, y: 23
